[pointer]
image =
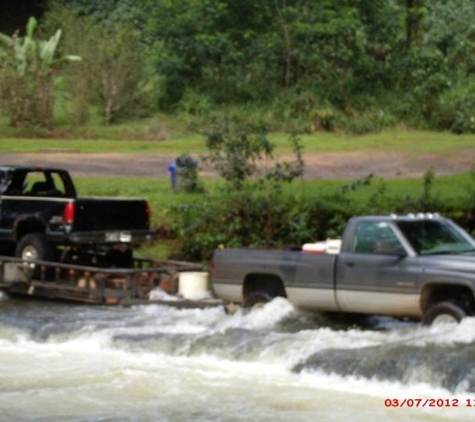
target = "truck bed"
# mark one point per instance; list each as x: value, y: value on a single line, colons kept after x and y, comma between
x: 308, y: 277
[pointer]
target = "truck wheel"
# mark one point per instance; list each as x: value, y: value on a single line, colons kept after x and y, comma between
x: 34, y: 246
x: 256, y: 300
x: 443, y: 312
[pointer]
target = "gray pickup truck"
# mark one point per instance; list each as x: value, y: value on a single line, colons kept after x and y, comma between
x: 420, y: 266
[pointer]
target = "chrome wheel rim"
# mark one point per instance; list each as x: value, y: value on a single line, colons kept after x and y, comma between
x: 29, y: 253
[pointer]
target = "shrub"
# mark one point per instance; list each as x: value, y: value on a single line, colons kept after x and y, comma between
x: 265, y: 215
x: 187, y: 173
x: 27, y: 68
x: 235, y: 218
x: 456, y: 108
x: 239, y: 154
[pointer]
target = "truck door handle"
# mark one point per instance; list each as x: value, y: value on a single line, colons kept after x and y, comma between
x: 350, y: 264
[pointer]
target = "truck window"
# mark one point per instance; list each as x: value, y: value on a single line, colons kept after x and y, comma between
x: 375, y: 237
x: 43, y: 184
x: 432, y: 237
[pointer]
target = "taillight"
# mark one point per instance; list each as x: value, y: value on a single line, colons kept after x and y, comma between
x: 69, y: 210
x: 148, y: 211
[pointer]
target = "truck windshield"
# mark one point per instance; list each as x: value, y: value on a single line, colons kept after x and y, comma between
x: 433, y: 237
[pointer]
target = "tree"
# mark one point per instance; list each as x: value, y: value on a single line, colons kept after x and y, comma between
x: 450, y: 34
x: 27, y: 69
x: 217, y: 46
x: 415, y: 10
x: 113, y: 75
x: 239, y: 154
x: 351, y: 60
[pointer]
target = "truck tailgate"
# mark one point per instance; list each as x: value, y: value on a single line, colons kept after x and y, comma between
x: 101, y: 214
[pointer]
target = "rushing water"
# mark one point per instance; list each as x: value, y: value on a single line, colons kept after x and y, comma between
x: 62, y: 362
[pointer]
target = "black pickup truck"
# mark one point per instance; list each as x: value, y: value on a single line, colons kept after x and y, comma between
x: 42, y: 218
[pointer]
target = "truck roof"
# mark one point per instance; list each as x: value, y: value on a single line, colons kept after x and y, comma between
x: 396, y: 217
x: 30, y: 168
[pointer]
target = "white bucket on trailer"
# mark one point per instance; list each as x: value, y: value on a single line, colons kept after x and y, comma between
x: 317, y: 248
x: 329, y: 246
x: 193, y: 285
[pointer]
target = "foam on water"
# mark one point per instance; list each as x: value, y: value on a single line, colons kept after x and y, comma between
x: 95, y: 330
x: 153, y: 362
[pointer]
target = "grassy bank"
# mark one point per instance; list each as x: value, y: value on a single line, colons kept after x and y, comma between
x: 162, y: 197
x: 126, y: 140
x: 387, y: 192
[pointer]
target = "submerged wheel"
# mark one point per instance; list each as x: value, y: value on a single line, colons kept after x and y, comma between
x: 444, y: 312
x: 35, y: 246
x: 256, y: 300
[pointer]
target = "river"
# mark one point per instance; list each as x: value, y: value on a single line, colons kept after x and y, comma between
x: 63, y: 362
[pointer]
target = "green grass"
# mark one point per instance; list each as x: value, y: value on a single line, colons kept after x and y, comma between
x: 156, y: 190
x: 407, y: 142
x: 453, y: 189
x: 177, y: 145
x: 165, y: 134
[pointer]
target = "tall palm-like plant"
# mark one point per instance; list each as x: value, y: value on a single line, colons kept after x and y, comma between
x: 27, y: 69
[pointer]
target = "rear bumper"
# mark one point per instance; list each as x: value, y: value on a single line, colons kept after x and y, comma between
x: 110, y: 237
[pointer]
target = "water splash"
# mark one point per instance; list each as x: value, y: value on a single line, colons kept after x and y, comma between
x: 441, y: 356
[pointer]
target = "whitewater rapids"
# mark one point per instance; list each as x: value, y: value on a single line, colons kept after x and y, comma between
x: 63, y: 362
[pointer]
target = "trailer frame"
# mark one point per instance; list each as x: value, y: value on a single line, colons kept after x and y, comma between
x: 97, y: 285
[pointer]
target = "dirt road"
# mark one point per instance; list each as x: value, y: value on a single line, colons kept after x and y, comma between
x: 317, y: 166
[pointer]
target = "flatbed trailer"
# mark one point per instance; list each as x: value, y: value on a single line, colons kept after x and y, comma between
x: 99, y: 286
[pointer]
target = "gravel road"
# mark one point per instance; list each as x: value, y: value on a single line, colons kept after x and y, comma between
x: 317, y: 166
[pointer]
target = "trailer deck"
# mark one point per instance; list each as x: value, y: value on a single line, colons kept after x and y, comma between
x: 99, y: 286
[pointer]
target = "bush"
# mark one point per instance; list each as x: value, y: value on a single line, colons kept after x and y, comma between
x: 239, y: 154
x: 265, y: 215
x: 235, y: 218
x: 456, y: 108
x: 187, y: 174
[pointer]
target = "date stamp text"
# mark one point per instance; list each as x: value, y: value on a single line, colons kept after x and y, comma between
x: 428, y: 402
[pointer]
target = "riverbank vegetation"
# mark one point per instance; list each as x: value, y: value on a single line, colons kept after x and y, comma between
x: 272, y: 206
x: 295, y: 65
x: 191, y: 225
x: 160, y: 76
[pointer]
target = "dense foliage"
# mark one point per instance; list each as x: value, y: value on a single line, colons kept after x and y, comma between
x: 265, y: 215
x: 314, y: 65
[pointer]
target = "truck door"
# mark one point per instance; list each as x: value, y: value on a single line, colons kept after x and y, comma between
x: 377, y: 274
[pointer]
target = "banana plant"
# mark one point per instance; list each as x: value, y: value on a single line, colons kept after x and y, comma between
x: 28, y: 54
x: 27, y: 65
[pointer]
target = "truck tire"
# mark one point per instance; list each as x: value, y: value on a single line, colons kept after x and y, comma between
x: 35, y: 246
x: 256, y: 300
x: 443, y: 312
